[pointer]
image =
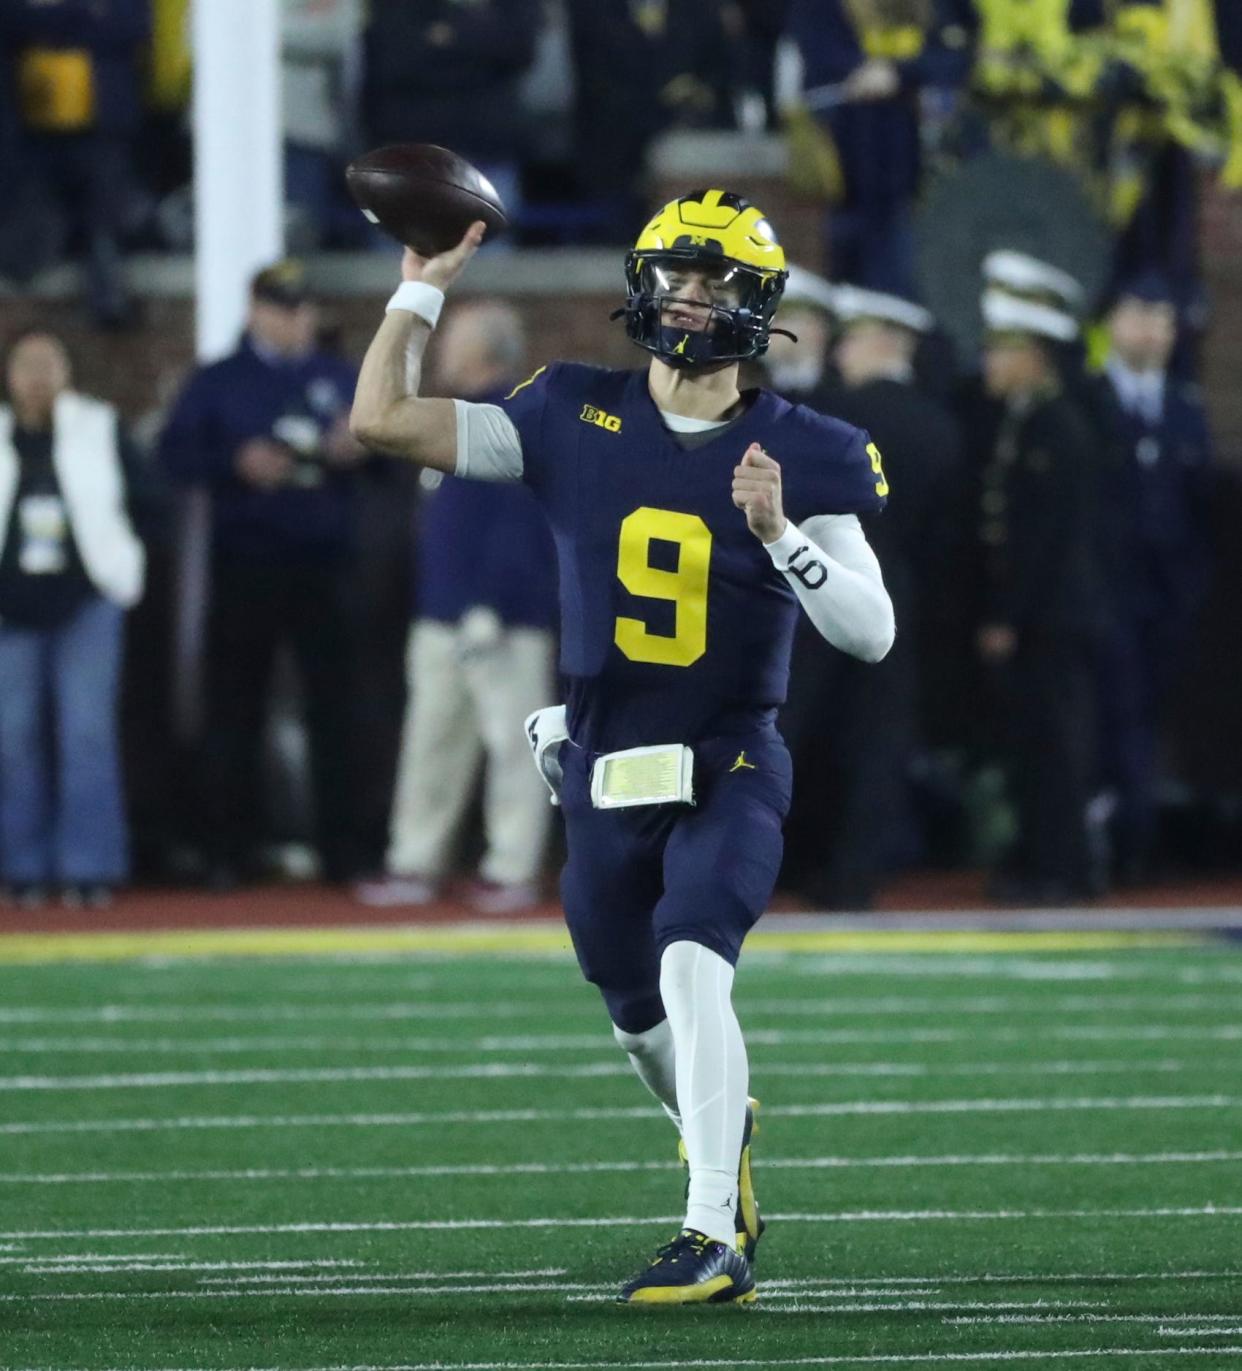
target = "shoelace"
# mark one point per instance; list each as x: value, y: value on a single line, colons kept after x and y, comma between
x: 697, y: 1242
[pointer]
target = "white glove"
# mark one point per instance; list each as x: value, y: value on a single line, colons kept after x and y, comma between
x: 546, y: 730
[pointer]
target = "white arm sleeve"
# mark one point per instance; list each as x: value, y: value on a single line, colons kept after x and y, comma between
x: 488, y: 445
x: 837, y: 579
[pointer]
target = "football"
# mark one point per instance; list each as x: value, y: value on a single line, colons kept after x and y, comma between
x: 423, y: 195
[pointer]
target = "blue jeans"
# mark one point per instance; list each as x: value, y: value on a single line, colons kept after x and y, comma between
x: 61, y: 808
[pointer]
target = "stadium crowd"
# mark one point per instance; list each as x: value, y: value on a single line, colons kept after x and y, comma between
x: 1047, y: 547
x: 558, y: 101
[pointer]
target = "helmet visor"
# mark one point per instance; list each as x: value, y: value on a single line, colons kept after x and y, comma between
x: 692, y: 307
x: 696, y: 296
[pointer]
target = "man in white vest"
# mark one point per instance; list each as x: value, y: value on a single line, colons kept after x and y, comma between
x: 70, y: 565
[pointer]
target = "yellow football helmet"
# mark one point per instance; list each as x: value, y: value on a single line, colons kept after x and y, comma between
x: 725, y: 240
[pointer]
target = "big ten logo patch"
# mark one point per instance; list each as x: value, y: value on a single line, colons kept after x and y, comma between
x: 591, y: 415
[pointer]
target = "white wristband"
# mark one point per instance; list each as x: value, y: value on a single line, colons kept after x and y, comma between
x: 417, y: 297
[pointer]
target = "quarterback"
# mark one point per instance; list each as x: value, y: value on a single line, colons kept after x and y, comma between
x: 692, y: 520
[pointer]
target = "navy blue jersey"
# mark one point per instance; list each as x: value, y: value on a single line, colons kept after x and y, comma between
x: 675, y: 625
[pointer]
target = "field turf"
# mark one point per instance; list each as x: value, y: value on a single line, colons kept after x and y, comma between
x: 1019, y: 1153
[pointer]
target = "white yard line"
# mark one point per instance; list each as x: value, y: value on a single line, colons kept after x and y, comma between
x: 1053, y: 1104
x: 731, y: 1363
x: 101, y: 1257
x: 607, y: 1066
x: 541, y: 1006
x: 1230, y: 1330
x: 576, y: 1044
x: 1019, y: 968
x: 1093, y: 1318
x: 1015, y: 1278
x: 310, y: 1291
x: 378, y: 1042
x: 829, y: 1303
x: 368, y: 972
x: 811, y: 1285
x: 597, y: 1295
x: 1210, y: 1211
x: 154, y: 1080
x: 278, y: 1013
x: 1038, y: 1031
x: 1095, y: 1003
x: 317, y: 1173
x: 70, y: 1268
x: 378, y: 1277
x: 143, y: 1261
x: 468, y: 1116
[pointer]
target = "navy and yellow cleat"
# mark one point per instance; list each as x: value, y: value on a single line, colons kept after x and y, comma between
x: 749, y: 1223
x: 693, y: 1269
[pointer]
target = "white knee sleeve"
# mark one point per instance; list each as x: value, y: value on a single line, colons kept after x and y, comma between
x: 651, y: 1055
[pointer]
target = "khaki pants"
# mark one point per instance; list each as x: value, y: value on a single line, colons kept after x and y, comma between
x: 471, y: 685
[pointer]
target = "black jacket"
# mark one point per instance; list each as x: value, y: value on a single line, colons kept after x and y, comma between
x: 445, y: 73
x: 1037, y: 523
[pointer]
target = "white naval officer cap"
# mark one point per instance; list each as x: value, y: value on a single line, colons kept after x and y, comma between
x: 1023, y: 275
x: 806, y: 288
x: 1005, y: 313
x: 852, y: 302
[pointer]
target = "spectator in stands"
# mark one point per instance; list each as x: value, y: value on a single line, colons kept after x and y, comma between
x: 1229, y: 35
x: 1021, y: 276
x: 1024, y: 277
x: 1154, y: 523
x: 1168, y: 114
x: 854, y: 735
x: 440, y: 71
x: 761, y: 24
x: 481, y: 657
x: 165, y: 140
x: 319, y: 39
x: 1035, y: 78
x: 70, y: 565
x: 1041, y: 600
x: 643, y: 67
x: 1030, y: 278
x: 797, y: 357
x: 866, y: 67
x: 9, y: 122
x: 77, y: 69
x: 266, y: 432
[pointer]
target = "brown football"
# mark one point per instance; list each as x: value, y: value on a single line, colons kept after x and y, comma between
x: 423, y: 195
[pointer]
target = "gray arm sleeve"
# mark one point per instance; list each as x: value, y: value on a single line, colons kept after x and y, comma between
x: 837, y: 579
x: 488, y: 445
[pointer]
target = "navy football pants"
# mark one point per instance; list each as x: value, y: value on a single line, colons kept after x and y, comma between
x: 639, y: 879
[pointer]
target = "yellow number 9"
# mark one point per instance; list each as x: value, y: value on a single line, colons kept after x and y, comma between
x: 881, y: 484
x: 686, y: 587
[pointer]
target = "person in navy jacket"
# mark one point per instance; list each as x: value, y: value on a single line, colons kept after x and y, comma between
x: 1155, y: 533
x: 82, y: 145
x: 265, y: 431
x: 873, y: 84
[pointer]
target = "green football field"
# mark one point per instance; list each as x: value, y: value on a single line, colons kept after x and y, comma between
x: 1004, y: 1155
